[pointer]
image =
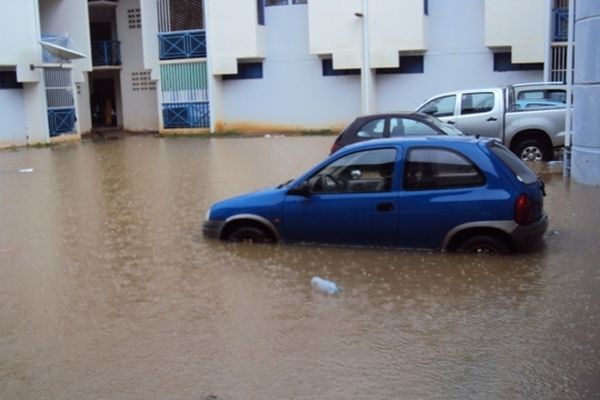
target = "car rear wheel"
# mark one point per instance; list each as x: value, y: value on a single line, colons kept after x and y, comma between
x: 533, y: 150
x: 249, y: 234
x: 483, y: 245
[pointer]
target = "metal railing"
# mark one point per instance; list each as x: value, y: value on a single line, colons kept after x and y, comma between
x: 61, y: 120
x: 186, y: 115
x: 561, y: 24
x: 182, y: 44
x: 106, y: 52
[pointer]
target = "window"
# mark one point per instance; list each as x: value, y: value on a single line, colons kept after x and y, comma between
x: 276, y: 2
x: 329, y: 71
x: 366, y: 171
x: 247, y: 71
x: 408, y: 127
x: 260, y: 11
x: 436, y: 168
x: 299, y: 2
x: 440, y: 107
x: 8, y: 80
x: 408, y: 65
x: 372, y: 129
x: 426, y: 7
x: 557, y: 95
x: 514, y: 163
x: 503, y: 63
x: 476, y: 103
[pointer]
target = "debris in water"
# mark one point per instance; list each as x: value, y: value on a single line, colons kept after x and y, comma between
x: 325, y: 286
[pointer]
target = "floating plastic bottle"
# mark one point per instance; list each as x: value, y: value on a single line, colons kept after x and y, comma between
x: 325, y: 286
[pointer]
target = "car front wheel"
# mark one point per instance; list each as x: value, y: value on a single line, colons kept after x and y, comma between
x: 483, y: 245
x: 249, y: 234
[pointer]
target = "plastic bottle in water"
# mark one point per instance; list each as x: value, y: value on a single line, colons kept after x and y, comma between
x: 325, y: 286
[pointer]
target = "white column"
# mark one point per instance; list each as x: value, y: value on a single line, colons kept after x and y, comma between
x: 586, y: 94
x: 367, y: 75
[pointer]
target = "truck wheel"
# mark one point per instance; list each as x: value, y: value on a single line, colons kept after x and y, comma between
x: 249, y: 234
x: 533, y: 150
x: 483, y: 245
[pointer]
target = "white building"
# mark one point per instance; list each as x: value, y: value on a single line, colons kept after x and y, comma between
x: 258, y: 65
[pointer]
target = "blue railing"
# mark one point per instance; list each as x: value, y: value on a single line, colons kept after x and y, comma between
x: 61, y: 120
x: 182, y: 44
x: 561, y: 24
x: 106, y: 52
x: 186, y: 115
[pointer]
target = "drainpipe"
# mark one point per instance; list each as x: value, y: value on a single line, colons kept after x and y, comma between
x: 569, y: 106
x: 366, y: 78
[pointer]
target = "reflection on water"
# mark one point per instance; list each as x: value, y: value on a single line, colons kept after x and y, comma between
x: 109, y: 290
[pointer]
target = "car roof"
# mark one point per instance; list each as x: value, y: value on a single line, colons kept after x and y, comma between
x: 414, y: 140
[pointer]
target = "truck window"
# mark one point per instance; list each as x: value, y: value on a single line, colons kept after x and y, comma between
x: 556, y: 95
x: 440, y: 107
x: 475, y: 103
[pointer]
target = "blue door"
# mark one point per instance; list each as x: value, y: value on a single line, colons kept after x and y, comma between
x: 349, y: 201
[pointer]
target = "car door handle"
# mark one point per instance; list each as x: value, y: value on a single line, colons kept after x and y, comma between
x: 491, y: 119
x: 450, y: 122
x: 385, y: 207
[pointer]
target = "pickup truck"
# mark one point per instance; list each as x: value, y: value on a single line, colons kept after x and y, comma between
x: 528, y: 118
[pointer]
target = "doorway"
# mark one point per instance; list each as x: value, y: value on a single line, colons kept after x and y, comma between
x: 103, y: 102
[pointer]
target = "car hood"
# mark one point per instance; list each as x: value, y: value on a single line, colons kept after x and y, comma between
x: 265, y: 202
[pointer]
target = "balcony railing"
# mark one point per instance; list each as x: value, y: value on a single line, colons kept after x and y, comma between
x: 561, y: 24
x: 186, y: 115
x: 106, y: 53
x: 61, y: 120
x: 182, y: 44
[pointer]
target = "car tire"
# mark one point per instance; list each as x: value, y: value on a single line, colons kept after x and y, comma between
x: 483, y: 245
x: 249, y: 234
x: 533, y: 150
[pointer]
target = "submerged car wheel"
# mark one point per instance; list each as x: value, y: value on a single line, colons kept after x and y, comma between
x: 483, y: 245
x: 249, y: 234
x: 533, y: 150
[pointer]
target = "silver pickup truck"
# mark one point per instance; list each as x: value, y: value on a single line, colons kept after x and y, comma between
x: 528, y: 118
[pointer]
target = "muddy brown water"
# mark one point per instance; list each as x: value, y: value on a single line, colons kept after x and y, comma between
x: 109, y: 291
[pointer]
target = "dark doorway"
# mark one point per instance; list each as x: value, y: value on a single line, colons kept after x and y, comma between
x: 103, y: 103
x: 100, y: 31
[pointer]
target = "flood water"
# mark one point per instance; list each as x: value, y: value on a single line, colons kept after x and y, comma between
x: 109, y: 291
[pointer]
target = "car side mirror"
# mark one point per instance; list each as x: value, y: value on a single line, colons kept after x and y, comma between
x: 300, y: 190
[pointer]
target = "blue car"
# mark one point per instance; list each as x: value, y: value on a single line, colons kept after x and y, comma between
x: 450, y: 193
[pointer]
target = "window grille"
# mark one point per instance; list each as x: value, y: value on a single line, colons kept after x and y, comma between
x: 558, y: 71
x: 180, y: 15
x: 185, y: 82
x: 59, y: 90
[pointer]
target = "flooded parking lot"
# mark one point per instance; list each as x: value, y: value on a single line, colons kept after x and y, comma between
x: 109, y: 291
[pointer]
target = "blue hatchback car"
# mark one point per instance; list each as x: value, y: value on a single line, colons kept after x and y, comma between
x: 449, y: 193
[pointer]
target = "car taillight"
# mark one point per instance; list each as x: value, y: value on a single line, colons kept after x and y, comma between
x: 523, y: 210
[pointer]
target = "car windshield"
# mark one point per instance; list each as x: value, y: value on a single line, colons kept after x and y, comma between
x: 446, y: 128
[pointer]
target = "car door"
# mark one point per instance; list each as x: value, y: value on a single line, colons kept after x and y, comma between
x: 348, y: 201
x: 441, y: 188
x: 479, y: 113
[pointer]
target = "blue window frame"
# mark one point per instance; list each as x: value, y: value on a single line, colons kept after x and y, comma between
x: 8, y: 80
x: 247, y: 71
x: 426, y: 7
x: 503, y: 63
x: 329, y: 71
x: 408, y: 65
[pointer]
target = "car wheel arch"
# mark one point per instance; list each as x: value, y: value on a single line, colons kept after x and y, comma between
x: 533, y: 135
x: 457, y: 237
x: 237, y: 221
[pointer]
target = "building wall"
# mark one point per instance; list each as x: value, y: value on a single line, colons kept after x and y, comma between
x: 586, y: 94
x: 519, y: 25
x: 138, y: 98
x: 12, y: 113
x: 457, y: 59
x: 240, y: 37
x: 294, y: 94
x: 335, y: 29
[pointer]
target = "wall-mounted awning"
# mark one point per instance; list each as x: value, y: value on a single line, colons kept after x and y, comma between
x: 61, y: 52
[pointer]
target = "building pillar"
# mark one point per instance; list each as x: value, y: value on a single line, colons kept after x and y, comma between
x: 585, y: 163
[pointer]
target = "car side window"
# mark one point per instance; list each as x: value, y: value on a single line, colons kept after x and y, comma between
x: 440, y: 107
x: 372, y: 129
x: 475, y: 103
x: 409, y: 127
x: 437, y: 168
x: 365, y: 171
